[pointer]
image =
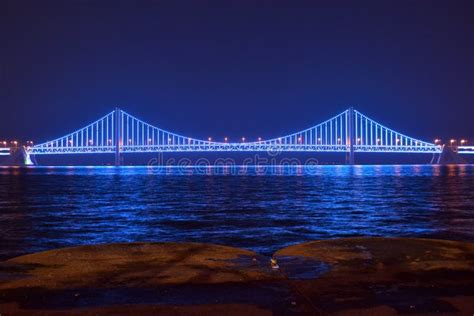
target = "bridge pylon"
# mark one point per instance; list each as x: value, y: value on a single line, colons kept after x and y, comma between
x: 118, y: 134
x: 351, y: 140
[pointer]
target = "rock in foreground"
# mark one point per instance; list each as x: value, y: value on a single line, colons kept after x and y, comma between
x: 380, y: 276
x: 394, y: 275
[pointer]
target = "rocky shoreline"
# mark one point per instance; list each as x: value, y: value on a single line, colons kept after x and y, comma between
x: 378, y: 276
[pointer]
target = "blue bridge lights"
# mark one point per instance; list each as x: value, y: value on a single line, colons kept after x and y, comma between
x: 120, y: 132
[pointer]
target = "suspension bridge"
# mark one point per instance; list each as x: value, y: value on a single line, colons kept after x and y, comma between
x: 349, y: 132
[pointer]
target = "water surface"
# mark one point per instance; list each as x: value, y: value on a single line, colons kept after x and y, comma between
x: 260, y: 209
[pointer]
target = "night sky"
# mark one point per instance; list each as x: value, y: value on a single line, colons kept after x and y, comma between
x: 236, y: 68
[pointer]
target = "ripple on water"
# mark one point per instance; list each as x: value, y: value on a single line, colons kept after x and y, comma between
x: 44, y: 208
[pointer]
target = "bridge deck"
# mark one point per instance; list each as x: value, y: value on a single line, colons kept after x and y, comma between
x: 465, y: 150
x: 235, y: 147
x: 4, y: 151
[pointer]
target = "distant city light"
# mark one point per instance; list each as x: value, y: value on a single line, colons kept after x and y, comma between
x: 226, y: 139
x: 243, y: 139
x: 437, y: 141
x: 260, y: 139
x: 209, y: 139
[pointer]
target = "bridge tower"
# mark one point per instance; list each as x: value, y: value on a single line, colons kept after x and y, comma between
x: 118, y: 134
x: 350, y: 127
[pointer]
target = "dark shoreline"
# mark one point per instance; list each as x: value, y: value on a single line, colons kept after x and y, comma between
x: 383, y: 276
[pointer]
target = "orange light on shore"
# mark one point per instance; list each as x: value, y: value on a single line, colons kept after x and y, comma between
x: 437, y: 141
x: 452, y: 141
x: 463, y: 141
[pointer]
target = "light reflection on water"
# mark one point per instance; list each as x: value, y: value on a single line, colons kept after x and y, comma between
x: 260, y: 209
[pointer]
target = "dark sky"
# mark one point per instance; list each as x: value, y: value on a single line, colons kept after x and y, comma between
x: 236, y: 68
